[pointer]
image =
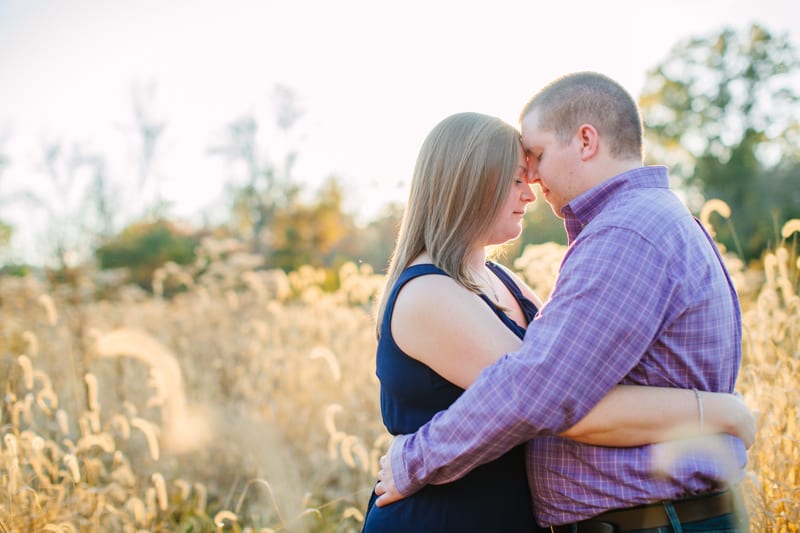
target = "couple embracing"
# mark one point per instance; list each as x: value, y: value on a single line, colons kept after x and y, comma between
x: 516, y: 415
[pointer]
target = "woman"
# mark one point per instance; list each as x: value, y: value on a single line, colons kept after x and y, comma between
x: 447, y: 313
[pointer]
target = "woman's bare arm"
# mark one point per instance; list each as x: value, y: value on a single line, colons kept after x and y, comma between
x: 450, y: 329
x: 632, y: 415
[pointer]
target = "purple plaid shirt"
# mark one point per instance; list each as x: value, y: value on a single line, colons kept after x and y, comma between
x: 641, y: 298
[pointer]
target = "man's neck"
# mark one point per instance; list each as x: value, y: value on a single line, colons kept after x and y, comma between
x: 602, y: 171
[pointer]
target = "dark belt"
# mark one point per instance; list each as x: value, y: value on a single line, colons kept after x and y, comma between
x: 655, y: 515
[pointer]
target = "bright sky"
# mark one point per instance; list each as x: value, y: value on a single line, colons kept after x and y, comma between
x: 372, y: 78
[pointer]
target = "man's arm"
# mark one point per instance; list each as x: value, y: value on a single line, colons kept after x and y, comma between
x: 603, y: 314
x: 631, y: 415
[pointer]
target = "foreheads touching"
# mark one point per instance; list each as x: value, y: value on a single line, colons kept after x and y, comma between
x: 589, y: 98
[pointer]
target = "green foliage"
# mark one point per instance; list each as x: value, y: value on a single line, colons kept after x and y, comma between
x: 10, y: 268
x: 269, y: 187
x: 721, y: 111
x: 311, y: 234
x: 541, y: 226
x: 14, y: 269
x: 5, y: 234
x: 145, y: 246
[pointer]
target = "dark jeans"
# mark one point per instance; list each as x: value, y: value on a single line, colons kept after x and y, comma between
x: 727, y: 523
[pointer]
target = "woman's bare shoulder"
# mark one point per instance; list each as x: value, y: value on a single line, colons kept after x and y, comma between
x: 449, y: 328
x: 432, y: 292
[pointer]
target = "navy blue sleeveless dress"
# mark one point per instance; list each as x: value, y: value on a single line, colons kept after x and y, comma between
x: 492, y: 497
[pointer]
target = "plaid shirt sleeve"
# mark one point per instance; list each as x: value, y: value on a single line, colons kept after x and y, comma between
x: 613, y: 293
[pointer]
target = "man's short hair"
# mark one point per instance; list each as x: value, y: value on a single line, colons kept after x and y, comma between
x: 590, y: 98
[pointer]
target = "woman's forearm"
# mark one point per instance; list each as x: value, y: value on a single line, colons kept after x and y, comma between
x: 632, y: 415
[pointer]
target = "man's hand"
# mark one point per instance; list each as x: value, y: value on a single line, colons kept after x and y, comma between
x: 385, y: 489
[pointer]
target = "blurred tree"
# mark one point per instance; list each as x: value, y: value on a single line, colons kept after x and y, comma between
x: 142, y: 247
x: 4, y: 159
x: 722, y: 112
x: 268, y: 187
x: 77, y: 204
x: 98, y: 203
x: 373, y: 243
x: 8, y: 266
x: 312, y: 234
x: 5, y: 234
x: 5, y: 228
x: 148, y: 131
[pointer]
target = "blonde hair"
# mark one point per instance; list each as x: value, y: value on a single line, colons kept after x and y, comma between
x: 461, y: 180
x: 590, y: 98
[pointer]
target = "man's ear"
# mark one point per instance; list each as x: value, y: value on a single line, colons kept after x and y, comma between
x: 589, y: 141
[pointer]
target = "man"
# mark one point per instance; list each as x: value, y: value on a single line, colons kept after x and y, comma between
x: 642, y: 297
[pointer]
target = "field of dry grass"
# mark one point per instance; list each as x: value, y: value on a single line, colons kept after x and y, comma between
x: 247, y: 400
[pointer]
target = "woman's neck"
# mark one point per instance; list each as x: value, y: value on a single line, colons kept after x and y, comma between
x: 476, y: 259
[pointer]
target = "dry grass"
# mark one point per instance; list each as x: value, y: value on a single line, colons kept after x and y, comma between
x: 248, y: 401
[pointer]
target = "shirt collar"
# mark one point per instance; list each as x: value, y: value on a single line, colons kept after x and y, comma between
x: 580, y: 211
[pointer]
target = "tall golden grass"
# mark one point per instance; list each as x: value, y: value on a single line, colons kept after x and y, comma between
x: 248, y: 400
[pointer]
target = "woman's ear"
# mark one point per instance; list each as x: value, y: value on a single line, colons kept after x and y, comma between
x: 589, y: 141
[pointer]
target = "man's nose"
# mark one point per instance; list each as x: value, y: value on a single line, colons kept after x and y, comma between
x: 533, y: 175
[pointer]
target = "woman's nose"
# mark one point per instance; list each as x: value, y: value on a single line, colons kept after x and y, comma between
x: 528, y: 195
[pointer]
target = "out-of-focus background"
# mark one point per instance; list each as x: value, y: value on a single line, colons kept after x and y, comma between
x: 198, y: 200
x: 211, y: 115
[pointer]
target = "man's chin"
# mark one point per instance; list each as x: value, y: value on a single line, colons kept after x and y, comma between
x: 554, y: 207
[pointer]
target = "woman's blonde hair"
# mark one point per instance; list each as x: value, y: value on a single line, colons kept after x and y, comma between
x: 461, y: 180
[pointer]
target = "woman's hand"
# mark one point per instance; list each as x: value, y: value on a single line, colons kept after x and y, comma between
x: 728, y: 413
